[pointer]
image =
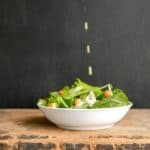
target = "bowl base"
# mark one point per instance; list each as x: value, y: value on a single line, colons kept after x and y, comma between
x: 84, y: 128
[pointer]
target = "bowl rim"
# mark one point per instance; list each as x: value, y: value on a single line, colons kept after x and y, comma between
x: 86, y: 109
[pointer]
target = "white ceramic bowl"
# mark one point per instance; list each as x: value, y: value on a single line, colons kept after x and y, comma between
x: 85, y: 119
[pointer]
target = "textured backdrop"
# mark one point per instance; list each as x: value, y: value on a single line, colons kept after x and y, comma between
x: 43, y: 47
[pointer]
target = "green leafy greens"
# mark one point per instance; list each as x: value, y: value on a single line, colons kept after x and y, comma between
x: 83, y: 95
x: 118, y: 98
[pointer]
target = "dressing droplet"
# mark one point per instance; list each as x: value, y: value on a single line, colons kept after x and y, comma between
x: 90, y: 70
x: 88, y: 49
x: 86, y: 26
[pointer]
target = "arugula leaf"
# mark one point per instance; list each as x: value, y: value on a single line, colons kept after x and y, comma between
x: 42, y: 101
x: 56, y: 98
x: 119, y: 98
x: 79, y: 87
x: 81, y: 90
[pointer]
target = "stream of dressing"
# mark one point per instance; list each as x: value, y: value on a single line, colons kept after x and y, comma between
x: 88, y: 48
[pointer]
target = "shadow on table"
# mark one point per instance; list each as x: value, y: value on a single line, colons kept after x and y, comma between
x: 36, y: 122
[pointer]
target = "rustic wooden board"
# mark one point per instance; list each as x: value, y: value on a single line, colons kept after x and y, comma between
x: 28, y: 129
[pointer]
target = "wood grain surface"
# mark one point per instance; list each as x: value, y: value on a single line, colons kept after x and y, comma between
x: 29, y: 129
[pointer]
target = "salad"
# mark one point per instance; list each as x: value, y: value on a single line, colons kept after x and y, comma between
x: 82, y: 95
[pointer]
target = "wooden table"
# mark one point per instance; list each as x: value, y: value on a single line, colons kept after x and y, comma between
x: 27, y: 129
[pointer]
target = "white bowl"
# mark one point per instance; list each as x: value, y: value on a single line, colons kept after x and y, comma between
x: 85, y: 119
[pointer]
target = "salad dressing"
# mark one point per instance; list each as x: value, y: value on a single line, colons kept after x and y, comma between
x: 90, y: 70
x: 86, y: 26
x: 90, y: 99
x: 88, y: 49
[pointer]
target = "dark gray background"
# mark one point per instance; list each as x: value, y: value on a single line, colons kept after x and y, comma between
x: 42, y: 47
